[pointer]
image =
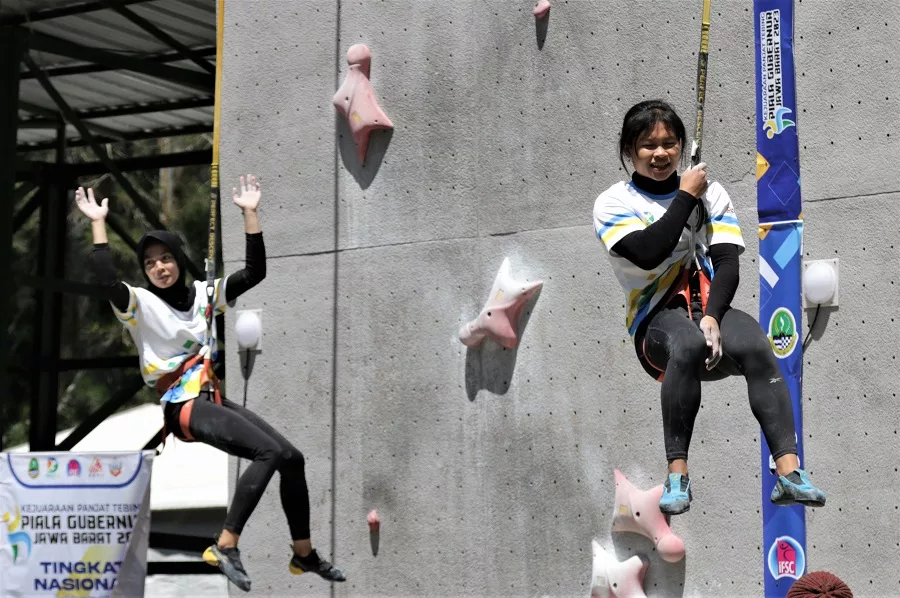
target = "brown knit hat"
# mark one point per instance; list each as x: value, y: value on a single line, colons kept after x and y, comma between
x: 819, y: 584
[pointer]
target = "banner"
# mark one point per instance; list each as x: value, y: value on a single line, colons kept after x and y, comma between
x: 74, y: 524
x: 780, y: 268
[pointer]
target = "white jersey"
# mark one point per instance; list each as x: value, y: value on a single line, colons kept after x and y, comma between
x: 165, y: 337
x: 625, y: 208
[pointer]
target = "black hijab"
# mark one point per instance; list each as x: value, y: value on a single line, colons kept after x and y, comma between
x: 179, y: 295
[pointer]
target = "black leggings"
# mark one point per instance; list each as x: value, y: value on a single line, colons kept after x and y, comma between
x: 242, y: 433
x: 675, y: 344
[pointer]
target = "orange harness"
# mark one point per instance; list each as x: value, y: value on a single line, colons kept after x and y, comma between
x: 171, y: 380
x: 689, y: 291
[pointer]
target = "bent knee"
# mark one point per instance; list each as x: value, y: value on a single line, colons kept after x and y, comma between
x: 688, y: 348
x: 292, y: 458
x: 270, y: 453
x: 753, y: 352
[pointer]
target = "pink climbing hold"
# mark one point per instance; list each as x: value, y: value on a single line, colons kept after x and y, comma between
x: 542, y: 9
x: 355, y: 100
x: 374, y: 521
x: 612, y: 578
x: 637, y: 511
x: 499, y: 319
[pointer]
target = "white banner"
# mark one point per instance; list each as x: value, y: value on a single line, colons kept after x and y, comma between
x: 74, y: 524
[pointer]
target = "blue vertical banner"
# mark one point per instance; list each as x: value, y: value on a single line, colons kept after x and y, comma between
x: 780, y: 263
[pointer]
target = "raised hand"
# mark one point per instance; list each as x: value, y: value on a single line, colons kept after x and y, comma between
x: 89, y: 206
x: 248, y: 199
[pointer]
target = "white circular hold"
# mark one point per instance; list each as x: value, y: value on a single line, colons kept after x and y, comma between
x: 248, y: 330
x: 819, y: 282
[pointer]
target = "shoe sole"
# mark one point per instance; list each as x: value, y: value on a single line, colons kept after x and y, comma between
x: 786, y: 502
x: 210, y: 558
x: 295, y: 570
x: 671, y: 512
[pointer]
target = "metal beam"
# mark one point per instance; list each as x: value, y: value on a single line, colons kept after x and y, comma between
x: 48, y: 315
x: 55, y: 115
x: 86, y: 69
x: 117, y: 226
x: 55, y: 45
x: 55, y: 13
x: 119, y: 398
x: 161, y: 35
x: 148, y: 107
x: 11, y: 50
x: 190, y: 158
x: 154, y: 442
x: 197, y: 129
x: 100, y: 152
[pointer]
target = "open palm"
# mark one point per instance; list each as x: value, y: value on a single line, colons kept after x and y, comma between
x: 89, y: 206
x: 248, y: 198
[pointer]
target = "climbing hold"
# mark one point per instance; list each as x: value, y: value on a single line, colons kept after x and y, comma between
x: 611, y: 577
x: 542, y: 9
x: 500, y: 317
x: 374, y: 521
x: 355, y: 100
x: 637, y: 511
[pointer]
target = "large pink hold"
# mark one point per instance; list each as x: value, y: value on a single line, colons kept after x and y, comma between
x: 611, y: 578
x: 499, y: 319
x: 542, y: 9
x: 355, y: 100
x: 637, y: 511
x: 374, y: 521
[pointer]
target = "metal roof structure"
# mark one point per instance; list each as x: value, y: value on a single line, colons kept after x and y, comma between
x: 88, y: 73
x: 129, y: 69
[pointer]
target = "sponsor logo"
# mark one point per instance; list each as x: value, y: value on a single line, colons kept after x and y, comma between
x: 34, y: 470
x: 11, y: 518
x: 783, y: 332
x: 771, y: 77
x: 777, y: 125
x: 52, y: 467
x: 115, y: 468
x: 73, y: 469
x: 96, y: 468
x: 786, y: 558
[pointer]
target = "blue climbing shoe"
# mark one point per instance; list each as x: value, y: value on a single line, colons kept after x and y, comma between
x: 795, y: 488
x: 676, y: 498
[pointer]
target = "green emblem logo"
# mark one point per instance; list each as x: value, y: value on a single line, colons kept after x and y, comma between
x: 783, y: 332
x: 34, y: 469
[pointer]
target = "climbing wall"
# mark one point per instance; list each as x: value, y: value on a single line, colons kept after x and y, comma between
x: 492, y: 469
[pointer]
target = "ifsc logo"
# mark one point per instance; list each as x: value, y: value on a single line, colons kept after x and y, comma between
x: 786, y: 558
x: 783, y: 332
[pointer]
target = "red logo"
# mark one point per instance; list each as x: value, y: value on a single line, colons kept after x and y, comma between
x: 787, y: 559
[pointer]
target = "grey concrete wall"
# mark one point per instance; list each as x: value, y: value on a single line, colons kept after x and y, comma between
x: 493, y: 470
